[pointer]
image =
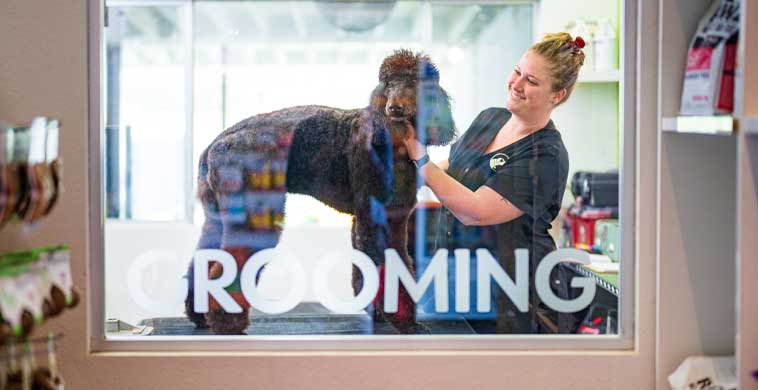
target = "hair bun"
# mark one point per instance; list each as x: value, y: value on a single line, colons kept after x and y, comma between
x: 579, y: 42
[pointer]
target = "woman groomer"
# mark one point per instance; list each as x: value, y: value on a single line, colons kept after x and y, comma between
x: 504, y: 181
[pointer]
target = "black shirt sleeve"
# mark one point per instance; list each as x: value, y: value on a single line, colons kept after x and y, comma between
x: 531, y: 182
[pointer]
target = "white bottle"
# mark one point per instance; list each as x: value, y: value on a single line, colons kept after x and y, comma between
x: 580, y: 28
x: 605, y: 46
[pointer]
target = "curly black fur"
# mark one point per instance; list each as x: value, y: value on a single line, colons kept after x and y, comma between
x: 352, y: 160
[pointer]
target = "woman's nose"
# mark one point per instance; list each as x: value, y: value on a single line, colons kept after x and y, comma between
x: 518, y: 83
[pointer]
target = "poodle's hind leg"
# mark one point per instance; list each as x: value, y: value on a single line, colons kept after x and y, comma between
x: 210, y: 237
x: 189, y: 303
x: 252, y: 222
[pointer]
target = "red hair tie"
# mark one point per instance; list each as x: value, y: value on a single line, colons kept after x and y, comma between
x: 579, y: 42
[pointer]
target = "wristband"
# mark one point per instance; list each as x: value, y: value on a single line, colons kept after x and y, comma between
x: 421, y: 162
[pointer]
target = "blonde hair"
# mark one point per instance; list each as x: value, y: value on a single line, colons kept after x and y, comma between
x: 564, y: 57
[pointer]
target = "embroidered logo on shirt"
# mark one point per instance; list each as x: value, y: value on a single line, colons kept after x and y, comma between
x: 498, y: 160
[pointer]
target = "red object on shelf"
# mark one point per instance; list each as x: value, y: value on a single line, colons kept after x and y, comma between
x: 582, y: 230
x: 582, y: 222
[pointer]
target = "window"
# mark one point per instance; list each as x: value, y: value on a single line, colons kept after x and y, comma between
x: 180, y: 73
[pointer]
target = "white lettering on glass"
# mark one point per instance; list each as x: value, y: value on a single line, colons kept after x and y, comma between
x: 488, y: 269
x: 542, y: 281
x: 295, y: 271
x: 462, y: 279
x: 321, y: 281
x: 395, y: 271
x: 214, y: 287
x: 136, y: 274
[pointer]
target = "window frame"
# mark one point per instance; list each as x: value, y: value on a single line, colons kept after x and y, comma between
x: 629, y: 313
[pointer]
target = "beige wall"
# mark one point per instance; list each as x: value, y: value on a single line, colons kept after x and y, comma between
x: 44, y: 71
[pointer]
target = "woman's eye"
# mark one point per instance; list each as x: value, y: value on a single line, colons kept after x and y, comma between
x: 517, y: 72
x: 532, y: 82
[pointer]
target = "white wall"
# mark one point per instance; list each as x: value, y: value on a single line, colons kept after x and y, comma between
x: 554, y: 15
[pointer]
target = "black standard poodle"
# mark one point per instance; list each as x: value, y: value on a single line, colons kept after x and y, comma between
x: 352, y: 160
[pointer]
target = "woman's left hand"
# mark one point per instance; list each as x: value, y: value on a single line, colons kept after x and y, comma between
x: 415, y: 149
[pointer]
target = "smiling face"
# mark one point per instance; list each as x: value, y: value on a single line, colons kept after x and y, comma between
x: 530, y: 88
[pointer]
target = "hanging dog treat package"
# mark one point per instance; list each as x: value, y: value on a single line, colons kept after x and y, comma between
x: 54, y: 165
x: 24, y: 365
x: 13, y: 180
x: 39, y: 177
x: 6, y: 154
x: 711, y: 62
x: 30, y: 171
x: 17, y: 301
x: 61, y: 285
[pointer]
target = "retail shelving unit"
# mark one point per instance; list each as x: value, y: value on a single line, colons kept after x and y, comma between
x: 747, y: 205
x: 607, y: 76
x: 708, y: 216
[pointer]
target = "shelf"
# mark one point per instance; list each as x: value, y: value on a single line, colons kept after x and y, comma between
x: 603, y: 76
x: 750, y: 125
x: 713, y: 125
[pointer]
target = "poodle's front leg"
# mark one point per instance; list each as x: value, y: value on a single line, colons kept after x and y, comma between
x: 405, y: 317
x: 372, y: 233
x: 369, y: 234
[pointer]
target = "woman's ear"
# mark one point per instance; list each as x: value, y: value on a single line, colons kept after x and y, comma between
x: 558, y: 96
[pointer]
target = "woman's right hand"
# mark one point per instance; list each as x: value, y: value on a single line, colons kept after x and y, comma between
x: 415, y: 149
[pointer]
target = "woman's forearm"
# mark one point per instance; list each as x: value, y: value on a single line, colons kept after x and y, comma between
x: 456, y: 197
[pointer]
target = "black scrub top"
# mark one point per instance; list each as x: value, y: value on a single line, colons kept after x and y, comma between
x: 530, y: 173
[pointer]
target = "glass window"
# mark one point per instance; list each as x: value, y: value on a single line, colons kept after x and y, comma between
x: 258, y: 182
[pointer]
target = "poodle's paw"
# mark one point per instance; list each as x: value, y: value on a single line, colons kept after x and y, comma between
x: 403, y: 321
x: 410, y: 327
x: 223, y: 323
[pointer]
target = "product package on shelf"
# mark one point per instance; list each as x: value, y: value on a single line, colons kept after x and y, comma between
x: 30, y: 171
x: 21, y: 368
x: 34, y: 285
x: 711, y: 62
x: 705, y: 372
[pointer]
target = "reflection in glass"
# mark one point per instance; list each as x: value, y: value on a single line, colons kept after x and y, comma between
x: 281, y: 98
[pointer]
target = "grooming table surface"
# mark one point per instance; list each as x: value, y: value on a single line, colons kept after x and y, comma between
x: 306, y: 319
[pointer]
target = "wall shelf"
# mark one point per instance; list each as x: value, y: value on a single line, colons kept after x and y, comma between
x: 750, y: 125
x: 713, y: 125
x: 708, y: 208
x: 604, y: 76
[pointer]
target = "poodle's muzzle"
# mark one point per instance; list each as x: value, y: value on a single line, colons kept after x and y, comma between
x: 425, y: 106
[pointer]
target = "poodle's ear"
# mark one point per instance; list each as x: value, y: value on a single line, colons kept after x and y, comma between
x: 448, y: 130
x: 435, y: 124
x: 378, y: 98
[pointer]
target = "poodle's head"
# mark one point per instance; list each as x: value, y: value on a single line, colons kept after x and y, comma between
x: 409, y: 93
